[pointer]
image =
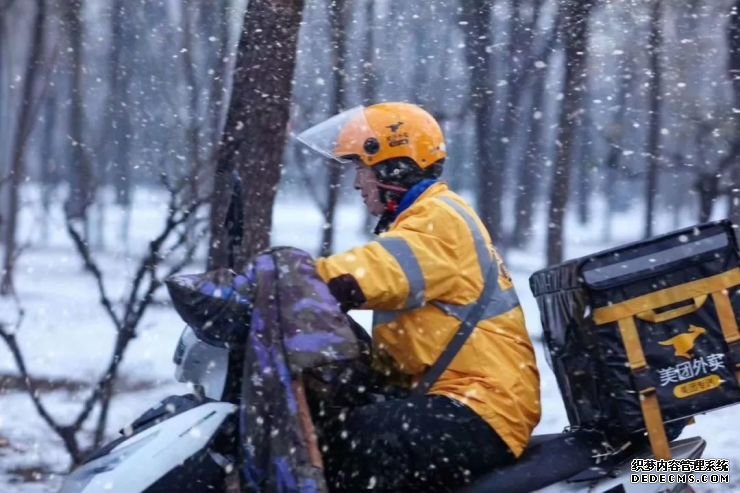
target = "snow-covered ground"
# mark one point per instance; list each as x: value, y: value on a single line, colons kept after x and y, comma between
x: 66, y: 334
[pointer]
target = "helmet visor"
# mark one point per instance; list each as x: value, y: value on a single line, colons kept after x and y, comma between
x: 341, y: 137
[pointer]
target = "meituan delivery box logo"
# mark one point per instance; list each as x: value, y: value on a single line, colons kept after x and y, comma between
x: 684, y: 344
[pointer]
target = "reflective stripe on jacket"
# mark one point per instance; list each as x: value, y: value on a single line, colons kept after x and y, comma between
x: 421, y: 277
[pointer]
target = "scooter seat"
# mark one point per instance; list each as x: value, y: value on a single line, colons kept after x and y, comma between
x: 547, y: 460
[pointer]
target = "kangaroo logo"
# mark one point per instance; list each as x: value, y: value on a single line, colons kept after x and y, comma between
x: 684, y: 344
x: 395, y: 127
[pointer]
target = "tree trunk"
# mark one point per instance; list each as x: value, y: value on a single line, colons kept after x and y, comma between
x: 583, y: 156
x: 574, y: 33
x: 532, y: 168
x: 27, y: 119
x: 707, y: 185
x: 476, y: 14
x: 333, y: 185
x: 337, y: 16
x: 218, y: 94
x: 653, y: 151
x: 615, y: 136
x: 121, y: 128
x: 370, y: 81
x: 197, y: 172
x: 220, y: 243
x: 369, y: 75
x: 734, y: 212
x: 49, y: 169
x: 528, y: 96
x: 5, y: 157
x: 221, y: 249
x: 733, y: 44
x: 193, y: 128
x: 256, y: 123
x: 80, y: 169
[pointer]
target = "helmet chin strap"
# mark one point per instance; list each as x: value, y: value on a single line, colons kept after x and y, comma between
x: 390, y: 201
x: 392, y: 188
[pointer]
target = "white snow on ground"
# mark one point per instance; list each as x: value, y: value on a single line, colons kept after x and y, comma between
x: 66, y: 333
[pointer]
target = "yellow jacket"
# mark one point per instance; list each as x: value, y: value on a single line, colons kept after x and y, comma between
x: 418, y: 277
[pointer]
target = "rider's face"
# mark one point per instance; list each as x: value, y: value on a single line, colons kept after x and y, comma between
x: 366, y: 182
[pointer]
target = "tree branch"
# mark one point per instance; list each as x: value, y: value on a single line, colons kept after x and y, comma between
x: 155, y: 281
x: 134, y: 310
x: 149, y: 264
x: 84, y: 250
x: 66, y: 433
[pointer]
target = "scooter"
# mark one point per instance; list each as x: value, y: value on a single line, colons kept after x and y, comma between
x: 185, y: 443
x: 188, y: 443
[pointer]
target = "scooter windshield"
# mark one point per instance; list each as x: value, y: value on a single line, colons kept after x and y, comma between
x: 216, y: 304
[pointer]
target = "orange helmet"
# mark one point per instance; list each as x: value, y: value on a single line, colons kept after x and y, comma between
x: 378, y: 133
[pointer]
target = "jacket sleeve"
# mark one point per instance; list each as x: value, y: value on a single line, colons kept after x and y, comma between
x: 414, y: 263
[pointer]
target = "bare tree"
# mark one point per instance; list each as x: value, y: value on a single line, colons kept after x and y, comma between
x: 530, y: 84
x: 31, y: 100
x: 165, y: 257
x: 256, y: 123
x: 497, y: 106
x: 573, y: 31
x: 653, y: 150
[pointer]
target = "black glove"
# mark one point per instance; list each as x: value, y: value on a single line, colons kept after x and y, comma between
x: 347, y: 291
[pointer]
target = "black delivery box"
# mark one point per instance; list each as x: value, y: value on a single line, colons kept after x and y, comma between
x: 645, y: 334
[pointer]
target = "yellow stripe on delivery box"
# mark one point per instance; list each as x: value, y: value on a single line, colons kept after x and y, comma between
x: 648, y: 399
x: 668, y: 296
x: 728, y: 322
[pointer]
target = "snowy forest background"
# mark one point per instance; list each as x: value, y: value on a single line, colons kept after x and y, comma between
x: 572, y: 126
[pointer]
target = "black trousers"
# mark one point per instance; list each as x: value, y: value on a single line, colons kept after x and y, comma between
x: 425, y: 444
